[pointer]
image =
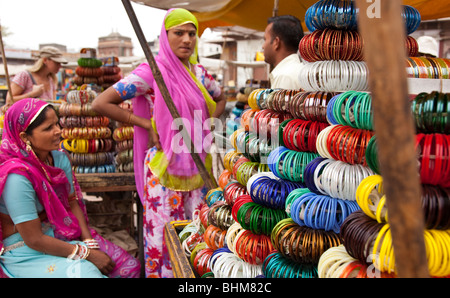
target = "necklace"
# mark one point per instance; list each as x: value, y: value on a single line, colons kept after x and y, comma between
x: 48, y: 161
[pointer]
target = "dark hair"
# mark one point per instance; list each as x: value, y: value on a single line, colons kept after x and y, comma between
x: 39, y: 119
x: 288, y: 28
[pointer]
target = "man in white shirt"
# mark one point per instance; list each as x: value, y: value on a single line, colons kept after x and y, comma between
x: 281, y: 39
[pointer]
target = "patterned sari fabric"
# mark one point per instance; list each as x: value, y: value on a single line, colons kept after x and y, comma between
x: 52, y: 189
x: 163, y: 205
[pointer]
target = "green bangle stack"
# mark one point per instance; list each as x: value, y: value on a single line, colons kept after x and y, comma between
x: 89, y: 62
x: 259, y: 219
x: 354, y: 109
x: 371, y: 155
x: 431, y: 112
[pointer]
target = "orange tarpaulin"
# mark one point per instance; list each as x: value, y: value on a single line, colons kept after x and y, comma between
x: 253, y: 14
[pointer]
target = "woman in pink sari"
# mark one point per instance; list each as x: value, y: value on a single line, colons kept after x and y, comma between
x: 167, y: 179
x: 44, y: 229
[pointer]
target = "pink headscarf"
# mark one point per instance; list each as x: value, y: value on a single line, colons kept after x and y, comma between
x: 191, y: 103
x: 50, y: 183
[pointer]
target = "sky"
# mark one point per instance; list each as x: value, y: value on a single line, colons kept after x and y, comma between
x: 76, y: 24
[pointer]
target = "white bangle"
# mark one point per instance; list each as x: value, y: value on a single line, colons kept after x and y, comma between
x: 333, y: 261
x: 80, y: 252
x: 74, y: 252
x: 91, y: 243
x: 334, y: 76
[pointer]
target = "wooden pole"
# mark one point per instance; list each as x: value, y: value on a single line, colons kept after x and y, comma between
x: 5, y: 65
x: 207, y: 178
x: 275, y: 8
x: 383, y: 31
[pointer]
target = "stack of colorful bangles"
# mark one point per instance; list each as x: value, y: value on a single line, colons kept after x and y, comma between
x: 111, y: 71
x: 335, y: 47
x: 123, y: 136
x: 318, y: 209
x: 366, y: 236
x: 86, y: 135
x: 428, y: 68
x: 89, y: 70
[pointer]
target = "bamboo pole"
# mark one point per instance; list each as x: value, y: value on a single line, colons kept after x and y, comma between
x: 275, y: 8
x: 207, y: 178
x: 383, y: 31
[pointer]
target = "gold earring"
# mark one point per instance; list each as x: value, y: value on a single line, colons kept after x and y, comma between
x: 28, y: 147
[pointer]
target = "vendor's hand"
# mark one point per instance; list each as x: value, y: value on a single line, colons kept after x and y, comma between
x: 154, y: 138
x: 37, y: 90
x: 101, y: 260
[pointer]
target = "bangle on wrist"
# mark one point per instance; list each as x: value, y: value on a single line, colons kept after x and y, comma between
x: 129, y: 118
x: 91, y: 243
x: 80, y: 252
x: 74, y: 252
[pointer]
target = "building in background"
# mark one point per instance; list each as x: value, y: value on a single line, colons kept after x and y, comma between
x: 230, y: 52
x: 114, y: 44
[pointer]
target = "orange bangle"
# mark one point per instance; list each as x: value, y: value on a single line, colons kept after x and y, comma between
x: 350, y: 268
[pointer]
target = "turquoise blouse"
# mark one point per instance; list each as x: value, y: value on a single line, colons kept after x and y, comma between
x: 19, y: 199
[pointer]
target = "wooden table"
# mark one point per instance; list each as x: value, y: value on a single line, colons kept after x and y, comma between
x: 116, y: 182
x: 180, y: 264
x: 104, y: 182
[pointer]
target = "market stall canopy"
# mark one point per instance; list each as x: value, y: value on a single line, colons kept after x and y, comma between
x: 254, y: 13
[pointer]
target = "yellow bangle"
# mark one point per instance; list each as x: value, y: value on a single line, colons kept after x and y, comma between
x: 431, y: 249
x: 437, y: 244
x: 252, y: 99
x: 84, y: 146
x: 389, y: 248
x: 377, y: 256
x: 380, y: 208
x: 372, y: 199
x: 67, y: 144
x: 362, y: 195
x: 442, y: 241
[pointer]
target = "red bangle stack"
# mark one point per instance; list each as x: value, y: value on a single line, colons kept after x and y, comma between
x: 334, y: 44
x: 201, y: 261
x: 348, y: 144
x: 301, y: 135
x: 266, y: 121
x: 331, y: 44
x: 89, y: 71
x: 214, y: 237
x: 246, y: 118
x: 232, y: 191
x: 434, y: 152
x: 224, y: 177
x: 204, y: 215
x: 238, y: 163
x: 252, y: 248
